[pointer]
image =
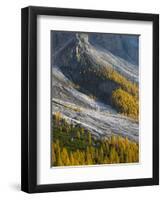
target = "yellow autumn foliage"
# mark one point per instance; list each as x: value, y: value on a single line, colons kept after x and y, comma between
x: 123, y: 82
x: 125, y: 103
x: 84, y: 149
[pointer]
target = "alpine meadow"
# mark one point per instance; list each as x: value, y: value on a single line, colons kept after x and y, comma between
x: 94, y: 98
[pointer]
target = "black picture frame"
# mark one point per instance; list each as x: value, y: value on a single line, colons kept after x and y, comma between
x: 29, y: 99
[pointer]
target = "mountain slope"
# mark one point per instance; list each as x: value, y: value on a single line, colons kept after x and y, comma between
x: 78, y: 108
x: 77, y: 50
x: 84, y: 76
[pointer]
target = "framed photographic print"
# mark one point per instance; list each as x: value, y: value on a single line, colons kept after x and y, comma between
x: 90, y: 99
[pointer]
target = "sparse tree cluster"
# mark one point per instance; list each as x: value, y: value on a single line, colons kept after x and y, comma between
x: 122, y: 81
x: 125, y: 96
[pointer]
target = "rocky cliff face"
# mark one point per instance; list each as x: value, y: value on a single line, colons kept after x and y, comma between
x: 123, y: 46
x: 81, y: 57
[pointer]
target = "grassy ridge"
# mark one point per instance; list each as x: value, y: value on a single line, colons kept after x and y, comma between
x: 74, y: 145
